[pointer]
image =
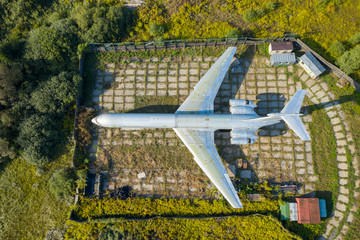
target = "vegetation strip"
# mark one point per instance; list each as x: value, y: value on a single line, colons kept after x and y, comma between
x: 120, y: 218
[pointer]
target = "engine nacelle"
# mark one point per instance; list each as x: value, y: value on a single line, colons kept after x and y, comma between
x: 243, y: 134
x: 241, y: 106
x: 243, y: 137
x: 242, y: 141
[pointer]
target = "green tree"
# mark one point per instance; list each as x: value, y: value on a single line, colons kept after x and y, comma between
x: 19, y: 16
x: 337, y: 49
x: 355, y: 39
x: 101, y: 24
x: 56, y: 94
x: 38, y: 137
x: 57, y: 44
x: 250, y: 16
x: 62, y: 183
x: 349, y: 62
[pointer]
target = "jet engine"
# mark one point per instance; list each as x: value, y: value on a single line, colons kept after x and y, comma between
x: 243, y: 137
x: 242, y: 141
x: 241, y: 106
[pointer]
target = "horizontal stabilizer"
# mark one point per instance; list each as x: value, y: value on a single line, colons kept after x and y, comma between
x: 291, y: 115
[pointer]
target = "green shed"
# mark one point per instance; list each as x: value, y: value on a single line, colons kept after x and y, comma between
x: 285, y: 212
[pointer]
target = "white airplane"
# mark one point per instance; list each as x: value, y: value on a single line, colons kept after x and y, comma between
x: 195, y: 123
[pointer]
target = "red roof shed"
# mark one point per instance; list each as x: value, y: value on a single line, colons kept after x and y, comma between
x: 308, y: 210
x: 281, y: 47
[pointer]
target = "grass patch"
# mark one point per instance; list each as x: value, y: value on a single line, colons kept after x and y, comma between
x: 28, y: 209
x: 145, y: 157
x: 114, y: 56
x: 306, y: 231
x: 324, y: 157
x: 131, y: 56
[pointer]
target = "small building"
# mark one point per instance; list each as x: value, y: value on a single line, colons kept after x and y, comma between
x: 308, y: 210
x: 281, y: 47
x: 311, y: 65
x: 282, y: 59
x: 304, y: 210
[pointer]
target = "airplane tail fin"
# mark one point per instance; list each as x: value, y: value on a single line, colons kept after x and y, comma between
x: 291, y: 115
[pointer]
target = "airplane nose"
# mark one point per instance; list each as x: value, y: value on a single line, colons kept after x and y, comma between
x: 94, y: 121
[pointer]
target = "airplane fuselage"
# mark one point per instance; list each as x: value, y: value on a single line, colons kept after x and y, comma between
x: 192, y: 121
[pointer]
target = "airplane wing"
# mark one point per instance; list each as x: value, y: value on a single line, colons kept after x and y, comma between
x: 201, y: 99
x: 202, y: 146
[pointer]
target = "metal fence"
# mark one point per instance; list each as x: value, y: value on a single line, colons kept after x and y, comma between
x: 188, y: 43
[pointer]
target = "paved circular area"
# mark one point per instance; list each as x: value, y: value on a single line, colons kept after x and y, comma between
x: 278, y: 155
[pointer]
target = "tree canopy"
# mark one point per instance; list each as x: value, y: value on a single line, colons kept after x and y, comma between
x: 56, y: 44
x: 349, y: 62
x: 56, y: 94
x: 38, y: 137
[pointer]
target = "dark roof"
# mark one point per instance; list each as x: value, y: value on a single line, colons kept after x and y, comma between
x: 315, y: 66
x: 278, y: 46
x: 283, y: 57
x: 308, y: 210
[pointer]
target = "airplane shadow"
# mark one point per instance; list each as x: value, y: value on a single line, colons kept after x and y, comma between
x: 271, y: 103
x: 233, y: 80
x: 156, y: 109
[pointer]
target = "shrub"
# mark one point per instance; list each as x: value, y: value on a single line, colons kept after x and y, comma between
x: 110, y: 233
x: 250, y: 16
x: 349, y: 62
x: 355, y: 39
x: 337, y: 49
x: 6, y: 151
x: 271, y: 6
x: 260, y: 12
x: 156, y: 29
x: 84, y: 127
x: 81, y: 178
x: 233, y: 34
x: 62, y: 183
